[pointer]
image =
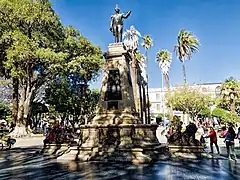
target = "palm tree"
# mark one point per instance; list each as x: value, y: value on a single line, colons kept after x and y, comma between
x: 164, y: 58
x: 230, y: 91
x: 147, y: 43
x: 140, y: 78
x: 187, y: 44
x: 131, y: 37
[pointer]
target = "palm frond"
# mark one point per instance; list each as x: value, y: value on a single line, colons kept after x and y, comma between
x: 147, y: 42
x: 164, y: 58
x: 187, y: 44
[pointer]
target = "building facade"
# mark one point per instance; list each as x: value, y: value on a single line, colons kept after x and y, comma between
x: 157, y: 97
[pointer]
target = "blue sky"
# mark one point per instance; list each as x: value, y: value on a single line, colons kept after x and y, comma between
x: 215, y: 22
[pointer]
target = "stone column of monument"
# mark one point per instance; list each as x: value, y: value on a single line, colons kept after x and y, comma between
x: 116, y: 105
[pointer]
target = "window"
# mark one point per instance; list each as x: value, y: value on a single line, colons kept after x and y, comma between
x: 158, y: 107
x: 158, y: 97
x: 204, y: 89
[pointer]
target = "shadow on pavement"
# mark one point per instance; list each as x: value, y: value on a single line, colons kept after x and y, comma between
x: 27, y: 163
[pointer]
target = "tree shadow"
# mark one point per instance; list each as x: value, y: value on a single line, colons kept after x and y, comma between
x: 25, y: 163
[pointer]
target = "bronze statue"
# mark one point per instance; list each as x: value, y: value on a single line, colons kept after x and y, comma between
x: 116, y: 26
x: 187, y: 138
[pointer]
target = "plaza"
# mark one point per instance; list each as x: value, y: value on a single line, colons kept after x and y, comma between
x: 23, y: 162
x: 119, y: 90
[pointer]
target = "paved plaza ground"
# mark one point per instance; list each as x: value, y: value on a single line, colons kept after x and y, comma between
x: 22, y: 162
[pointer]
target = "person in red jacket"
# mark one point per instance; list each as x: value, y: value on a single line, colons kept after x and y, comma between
x: 213, y: 139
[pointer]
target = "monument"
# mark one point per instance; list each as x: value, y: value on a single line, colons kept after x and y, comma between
x: 181, y: 143
x: 116, y: 132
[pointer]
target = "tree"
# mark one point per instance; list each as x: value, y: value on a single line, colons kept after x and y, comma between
x: 189, y: 101
x: 230, y: 94
x: 206, y: 112
x: 225, y: 116
x: 164, y: 58
x: 131, y: 42
x: 38, y: 110
x: 187, y: 43
x: 140, y: 78
x: 35, y: 46
x: 71, y: 97
x: 5, y: 110
x: 28, y: 40
x: 147, y: 43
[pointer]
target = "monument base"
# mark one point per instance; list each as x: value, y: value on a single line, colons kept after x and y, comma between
x: 135, y: 143
x: 116, y: 117
x: 189, y: 152
x: 185, y: 149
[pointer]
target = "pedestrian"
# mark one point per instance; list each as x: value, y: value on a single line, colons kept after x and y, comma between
x: 229, y: 140
x: 171, y: 129
x: 238, y: 135
x: 224, y: 132
x: 213, y: 139
x: 201, y: 132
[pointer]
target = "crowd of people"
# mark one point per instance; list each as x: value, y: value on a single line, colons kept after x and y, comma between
x: 228, y: 134
x: 58, y: 134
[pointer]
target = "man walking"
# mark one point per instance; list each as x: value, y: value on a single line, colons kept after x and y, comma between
x: 213, y: 139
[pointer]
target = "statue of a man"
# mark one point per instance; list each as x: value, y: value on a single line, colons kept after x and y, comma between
x: 116, y: 26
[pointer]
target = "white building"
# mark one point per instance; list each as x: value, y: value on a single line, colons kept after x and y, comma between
x: 158, y: 100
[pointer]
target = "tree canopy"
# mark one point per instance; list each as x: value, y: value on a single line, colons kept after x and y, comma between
x: 225, y: 116
x: 230, y: 93
x: 188, y: 100
x: 35, y: 47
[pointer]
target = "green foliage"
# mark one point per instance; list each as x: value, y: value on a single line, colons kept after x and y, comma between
x: 70, y: 96
x: 147, y: 42
x: 187, y: 44
x: 29, y: 37
x: 164, y: 58
x: 36, y: 47
x: 225, y: 116
x: 161, y: 115
x: 230, y: 93
x: 5, y: 110
x: 188, y: 101
x: 206, y: 112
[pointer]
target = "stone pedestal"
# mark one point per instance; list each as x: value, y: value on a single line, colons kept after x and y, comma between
x: 116, y: 105
x: 115, y: 133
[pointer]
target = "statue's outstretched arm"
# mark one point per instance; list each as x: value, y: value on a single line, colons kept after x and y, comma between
x: 126, y: 15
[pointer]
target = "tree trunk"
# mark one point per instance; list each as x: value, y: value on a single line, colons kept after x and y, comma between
x: 15, y: 99
x: 184, y: 73
x: 148, y: 107
x: 169, y: 91
x: 148, y: 103
x: 134, y: 80
x: 144, y: 105
x: 25, y: 100
x: 141, y: 101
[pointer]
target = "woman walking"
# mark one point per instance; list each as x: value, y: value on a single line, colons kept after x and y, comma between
x: 229, y: 140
